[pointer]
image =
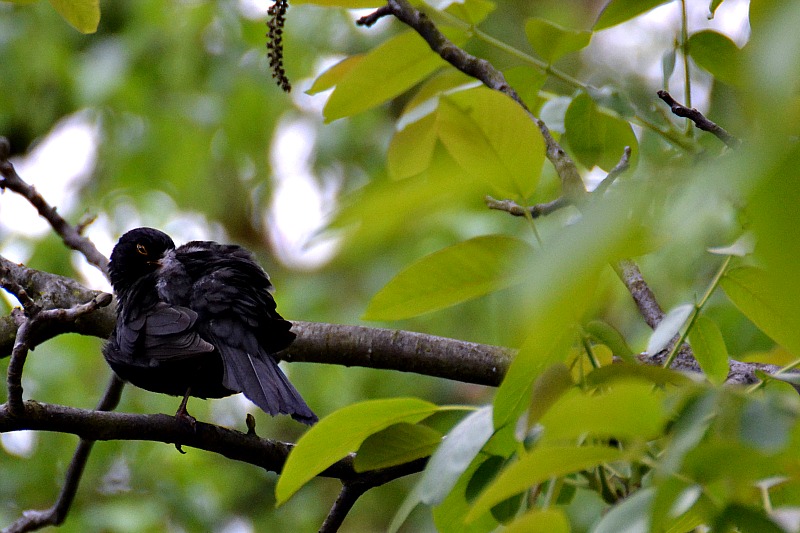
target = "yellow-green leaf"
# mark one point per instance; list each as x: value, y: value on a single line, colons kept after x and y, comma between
x: 541, y: 464
x: 334, y: 74
x: 341, y: 433
x: 83, y: 15
x: 492, y: 138
x: 626, y: 410
x: 709, y: 349
x: 411, y: 149
x: 396, y: 445
x: 540, y: 521
x: 387, y: 71
x: 348, y: 4
x: 455, y: 274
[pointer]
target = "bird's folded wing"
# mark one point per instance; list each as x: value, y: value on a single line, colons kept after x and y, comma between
x: 164, y: 332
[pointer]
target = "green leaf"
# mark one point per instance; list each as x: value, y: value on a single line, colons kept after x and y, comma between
x: 449, y: 516
x: 750, y: 290
x: 471, y: 11
x: 492, y: 138
x: 552, y: 41
x: 349, y: 4
x: 627, y: 371
x: 387, y: 71
x: 396, y: 445
x: 411, y: 149
x: 737, y: 517
x: 83, y: 15
x: 595, y: 137
x: 541, y: 464
x: 618, y: 11
x: 334, y: 74
x: 454, y: 455
x: 460, y: 272
x: 717, y: 54
x: 548, y: 388
x: 767, y: 423
x: 541, y: 351
x: 341, y: 433
x: 667, y: 66
x: 632, y: 515
x: 709, y: 349
x: 540, y: 521
x: 625, y: 411
x: 669, y: 326
x: 558, y: 289
x: 607, y: 334
x: 528, y: 81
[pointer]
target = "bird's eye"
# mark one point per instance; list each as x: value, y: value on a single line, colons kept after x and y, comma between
x: 141, y: 249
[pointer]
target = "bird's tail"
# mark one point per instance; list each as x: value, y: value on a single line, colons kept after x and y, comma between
x: 264, y: 384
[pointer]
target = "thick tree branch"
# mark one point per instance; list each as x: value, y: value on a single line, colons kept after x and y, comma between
x: 644, y: 298
x: 406, y: 351
x: 699, y: 120
x: 248, y: 448
x: 9, y: 179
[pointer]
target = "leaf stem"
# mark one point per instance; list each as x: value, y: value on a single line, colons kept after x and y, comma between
x: 687, y: 78
x: 698, y: 306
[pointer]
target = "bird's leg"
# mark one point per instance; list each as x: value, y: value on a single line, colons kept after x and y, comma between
x: 183, y: 415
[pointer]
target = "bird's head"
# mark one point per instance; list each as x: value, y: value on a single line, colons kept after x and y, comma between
x: 136, y: 254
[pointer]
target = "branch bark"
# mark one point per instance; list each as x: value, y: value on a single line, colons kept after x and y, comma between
x: 699, y: 120
x: 248, y: 448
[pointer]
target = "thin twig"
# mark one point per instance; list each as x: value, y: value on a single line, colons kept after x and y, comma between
x: 699, y: 120
x: 348, y: 496
x: 513, y: 208
x: 620, y: 168
x: 369, y: 20
x: 9, y: 179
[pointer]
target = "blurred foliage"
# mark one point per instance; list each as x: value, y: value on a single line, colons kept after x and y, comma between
x: 193, y: 137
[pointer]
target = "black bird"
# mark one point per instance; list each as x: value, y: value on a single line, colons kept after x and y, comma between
x: 198, y: 320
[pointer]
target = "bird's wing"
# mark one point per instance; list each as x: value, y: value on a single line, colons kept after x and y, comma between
x: 164, y: 332
x: 237, y: 314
